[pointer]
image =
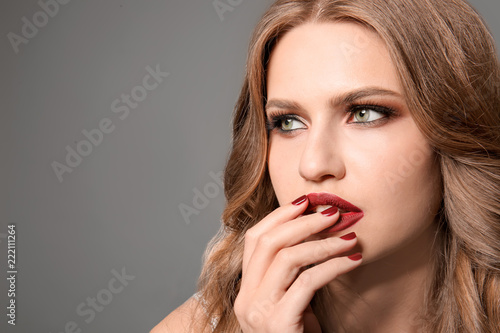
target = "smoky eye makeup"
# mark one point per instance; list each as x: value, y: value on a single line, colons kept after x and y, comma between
x: 365, y: 115
x: 278, y: 120
x: 370, y: 114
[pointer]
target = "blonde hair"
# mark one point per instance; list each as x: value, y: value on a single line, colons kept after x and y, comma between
x: 448, y: 65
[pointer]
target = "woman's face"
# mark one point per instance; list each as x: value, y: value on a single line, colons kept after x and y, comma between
x: 374, y: 157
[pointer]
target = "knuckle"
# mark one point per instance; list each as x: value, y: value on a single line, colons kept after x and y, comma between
x: 329, y: 242
x: 255, y: 318
x: 250, y: 235
x: 285, y: 257
x: 266, y: 241
x: 305, y: 278
x: 323, y: 248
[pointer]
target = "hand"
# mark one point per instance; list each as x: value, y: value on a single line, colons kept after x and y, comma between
x: 276, y: 289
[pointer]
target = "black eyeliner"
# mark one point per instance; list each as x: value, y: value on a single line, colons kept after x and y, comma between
x: 274, y: 121
x: 386, y: 111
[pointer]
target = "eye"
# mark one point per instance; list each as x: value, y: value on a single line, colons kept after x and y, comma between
x: 287, y: 124
x: 366, y: 114
x: 284, y: 123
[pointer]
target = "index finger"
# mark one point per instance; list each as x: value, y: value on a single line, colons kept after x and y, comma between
x: 278, y: 216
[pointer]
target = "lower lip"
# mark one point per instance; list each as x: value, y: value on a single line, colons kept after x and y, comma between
x: 345, y: 221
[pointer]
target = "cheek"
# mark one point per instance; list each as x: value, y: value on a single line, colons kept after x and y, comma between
x: 405, y: 182
x: 419, y: 189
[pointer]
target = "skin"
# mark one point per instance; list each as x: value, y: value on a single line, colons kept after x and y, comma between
x: 387, y: 170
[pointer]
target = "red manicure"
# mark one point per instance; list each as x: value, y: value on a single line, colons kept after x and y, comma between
x: 330, y: 211
x: 349, y: 236
x: 355, y: 256
x: 300, y: 200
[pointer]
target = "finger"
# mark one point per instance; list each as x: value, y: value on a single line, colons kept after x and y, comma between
x: 302, y: 290
x: 289, y: 261
x: 284, y: 235
x: 280, y: 215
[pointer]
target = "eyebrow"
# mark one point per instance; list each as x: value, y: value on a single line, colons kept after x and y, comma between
x: 335, y: 101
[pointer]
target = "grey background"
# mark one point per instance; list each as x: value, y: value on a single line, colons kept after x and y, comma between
x: 119, y: 209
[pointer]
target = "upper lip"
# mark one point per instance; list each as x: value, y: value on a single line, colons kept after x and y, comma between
x: 317, y: 199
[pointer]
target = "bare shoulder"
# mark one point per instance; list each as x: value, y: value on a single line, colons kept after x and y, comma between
x: 183, y: 319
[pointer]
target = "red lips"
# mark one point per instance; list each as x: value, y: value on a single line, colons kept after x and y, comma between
x: 349, y: 214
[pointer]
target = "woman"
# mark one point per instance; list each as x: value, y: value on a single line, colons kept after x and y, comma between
x: 389, y: 111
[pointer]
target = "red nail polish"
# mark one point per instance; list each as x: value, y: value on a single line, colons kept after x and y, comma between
x: 355, y: 256
x: 349, y: 236
x: 330, y: 211
x: 300, y: 200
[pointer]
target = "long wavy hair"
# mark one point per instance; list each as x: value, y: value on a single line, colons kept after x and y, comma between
x: 449, y: 69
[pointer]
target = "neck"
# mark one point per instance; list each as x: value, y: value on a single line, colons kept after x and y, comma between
x: 389, y: 294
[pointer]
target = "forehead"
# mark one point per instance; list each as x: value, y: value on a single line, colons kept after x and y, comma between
x: 330, y: 56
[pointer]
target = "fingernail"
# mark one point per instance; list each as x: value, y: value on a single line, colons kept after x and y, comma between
x: 355, y: 256
x: 349, y: 236
x: 299, y: 200
x: 330, y: 211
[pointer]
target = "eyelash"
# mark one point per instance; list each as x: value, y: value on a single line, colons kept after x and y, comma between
x: 274, y: 121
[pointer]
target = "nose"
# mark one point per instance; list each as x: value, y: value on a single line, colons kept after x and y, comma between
x: 321, y: 157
